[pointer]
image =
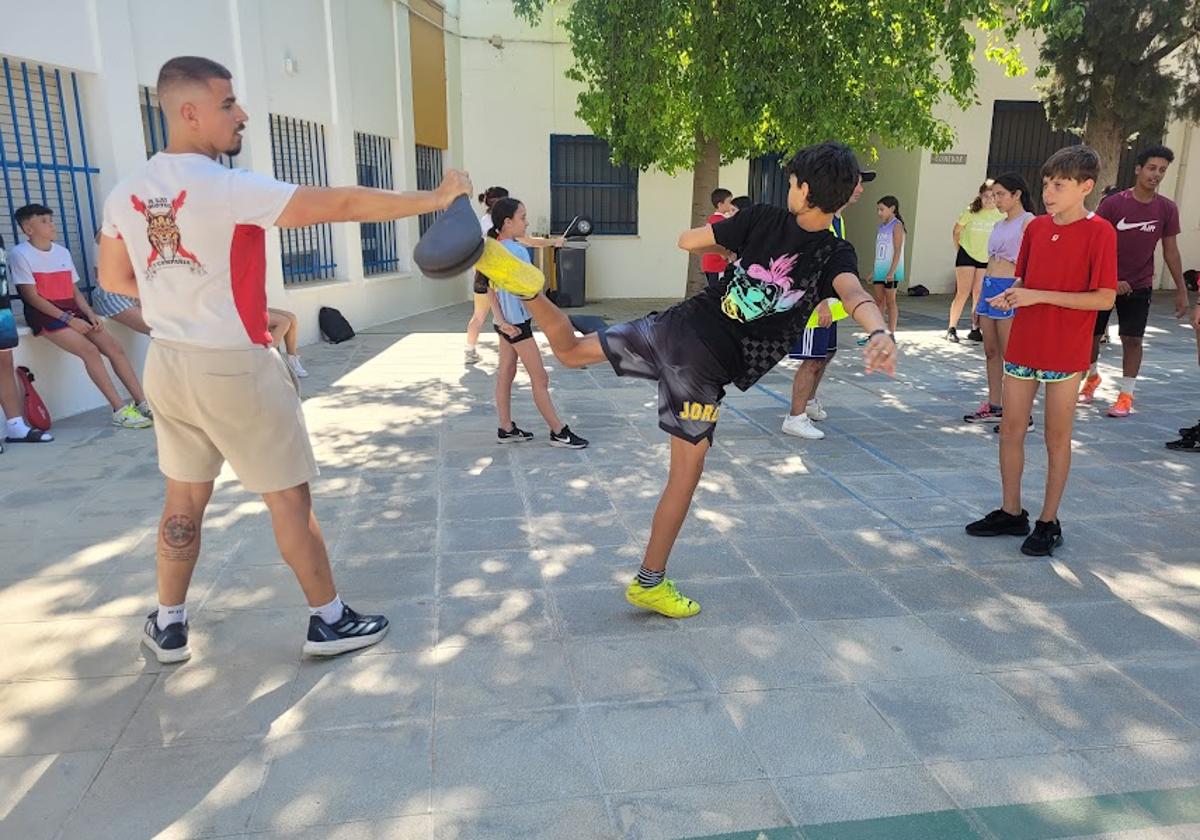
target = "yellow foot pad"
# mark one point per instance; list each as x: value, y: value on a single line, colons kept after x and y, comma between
x: 663, y: 599
x: 508, y: 273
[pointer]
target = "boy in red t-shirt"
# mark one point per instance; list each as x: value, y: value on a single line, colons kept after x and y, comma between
x: 1067, y: 271
x: 713, y: 264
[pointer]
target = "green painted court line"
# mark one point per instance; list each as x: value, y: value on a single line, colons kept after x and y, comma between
x: 1053, y: 820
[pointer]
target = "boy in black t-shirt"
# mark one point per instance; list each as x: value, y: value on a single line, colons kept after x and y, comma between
x: 733, y: 331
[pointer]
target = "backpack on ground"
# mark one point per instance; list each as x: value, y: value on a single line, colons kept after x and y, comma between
x: 36, y: 413
x: 917, y: 291
x: 333, y: 325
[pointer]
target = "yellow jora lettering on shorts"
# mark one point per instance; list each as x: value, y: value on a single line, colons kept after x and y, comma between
x: 704, y: 412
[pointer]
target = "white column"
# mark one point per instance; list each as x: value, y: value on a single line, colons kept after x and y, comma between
x: 339, y: 137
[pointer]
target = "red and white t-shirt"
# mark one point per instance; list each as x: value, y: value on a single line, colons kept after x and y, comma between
x: 713, y: 263
x: 52, y: 272
x: 1078, y: 257
x: 196, y: 234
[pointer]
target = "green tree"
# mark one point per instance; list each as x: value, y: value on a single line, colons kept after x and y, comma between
x: 687, y: 84
x: 1114, y: 69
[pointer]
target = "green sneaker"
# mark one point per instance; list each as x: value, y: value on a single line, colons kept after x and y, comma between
x: 128, y: 417
x: 663, y: 599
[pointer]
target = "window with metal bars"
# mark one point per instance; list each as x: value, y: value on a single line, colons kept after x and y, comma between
x: 767, y: 182
x: 429, y: 175
x: 585, y: 182
x: 373, y: 162
x: 299, y: 154
x: 154, y: 125
x: 44, y: 157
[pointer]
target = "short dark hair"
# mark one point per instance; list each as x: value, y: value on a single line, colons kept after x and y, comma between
x: 720, y: 194
x: 30, y: 211
x: 831, y: 172
x: 1159, y: 151
x: 1077, y: 163
x: 743, y: 202
x: 190, y: 69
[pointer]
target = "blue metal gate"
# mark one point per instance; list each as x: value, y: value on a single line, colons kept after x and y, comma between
x: 373, y: 160
x: 298, y: 151
x: 44, y: 156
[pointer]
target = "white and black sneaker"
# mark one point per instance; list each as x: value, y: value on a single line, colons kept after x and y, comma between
x: 170, y: 644
x: 513, y: 435
x: 1028, y: 427
x: 567, y: 439
x: 350, y: 632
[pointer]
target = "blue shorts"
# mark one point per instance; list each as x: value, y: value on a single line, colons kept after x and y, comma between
x: 1037, y: 374
x: 815, y: 343
x: 993, y: 286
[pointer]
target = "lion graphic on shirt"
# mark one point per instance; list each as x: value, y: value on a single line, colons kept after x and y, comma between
x: 162, y: 231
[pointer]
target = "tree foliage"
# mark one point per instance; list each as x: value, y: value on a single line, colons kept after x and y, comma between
x: 1133, y: 65
x: 660, y: 77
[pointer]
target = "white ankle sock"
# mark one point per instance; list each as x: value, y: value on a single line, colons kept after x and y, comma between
x: 17, y: 427
x: 1127, y: 384
x: 1094, y: 370
x: 330, y: 613
x: 171, y: 615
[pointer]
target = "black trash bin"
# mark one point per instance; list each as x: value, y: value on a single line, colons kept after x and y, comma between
x: 570, y: 264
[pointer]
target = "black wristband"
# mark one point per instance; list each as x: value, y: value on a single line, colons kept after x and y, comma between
x: 882, y: 332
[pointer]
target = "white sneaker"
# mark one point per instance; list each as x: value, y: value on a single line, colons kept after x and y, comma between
x: 816, y: 411
x: 801, y: 426
x: 471, y: 356
x: 128, y: 417
x: 297, y: 368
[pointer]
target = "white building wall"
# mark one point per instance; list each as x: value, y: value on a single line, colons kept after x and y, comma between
x: 351, y: 73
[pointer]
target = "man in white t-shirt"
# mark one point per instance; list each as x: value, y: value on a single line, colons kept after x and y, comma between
x: 187, y: 236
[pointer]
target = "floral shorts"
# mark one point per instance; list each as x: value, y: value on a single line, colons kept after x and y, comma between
x: 1026, y: 372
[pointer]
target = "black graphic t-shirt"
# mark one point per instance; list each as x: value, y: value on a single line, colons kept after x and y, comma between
x: 755, y: 313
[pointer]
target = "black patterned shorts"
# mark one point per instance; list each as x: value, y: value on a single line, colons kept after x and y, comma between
x: 691, y: 383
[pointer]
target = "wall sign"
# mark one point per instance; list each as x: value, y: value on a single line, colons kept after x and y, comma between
x: 951, y: 159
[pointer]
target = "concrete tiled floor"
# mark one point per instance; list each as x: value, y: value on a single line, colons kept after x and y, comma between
x: 857, y: 657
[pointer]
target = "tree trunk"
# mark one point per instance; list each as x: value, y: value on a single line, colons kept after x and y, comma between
x: 704, y: 180
x: 1104, y: 134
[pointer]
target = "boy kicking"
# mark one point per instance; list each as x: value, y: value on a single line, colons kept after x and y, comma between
x: 1066, y: 272
x: 734, y: 331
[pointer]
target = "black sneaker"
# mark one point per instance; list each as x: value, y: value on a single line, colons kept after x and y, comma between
x: 975, y: 335
x: 169, y: 644
x: 1187, y: 443
x: 351, y: 632
x: 567, y: 439
x: 1028, y: 428
x: 1046, y: 537
x: 1190, y: 431
x: 513, y: 435
x: 952, y: 335
x: 1000, y: 523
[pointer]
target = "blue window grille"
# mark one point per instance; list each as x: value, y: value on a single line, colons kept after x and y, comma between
x: 154, y: 125
x: 373, y: 161
x: 584, y: 181
x: 299, y: 154
x: 44, y: 156
x: 768, y: 183
x: 429, y: 175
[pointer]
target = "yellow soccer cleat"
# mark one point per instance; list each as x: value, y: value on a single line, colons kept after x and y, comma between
x: 663, y: 599
x: 508, y: 273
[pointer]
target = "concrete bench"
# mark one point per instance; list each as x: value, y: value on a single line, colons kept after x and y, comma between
x: 62, y: 381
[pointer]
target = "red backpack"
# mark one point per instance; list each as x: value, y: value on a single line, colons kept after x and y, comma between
x: 36, y: 413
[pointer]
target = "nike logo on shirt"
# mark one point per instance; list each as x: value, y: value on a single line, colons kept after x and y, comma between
x: 1146, y: 227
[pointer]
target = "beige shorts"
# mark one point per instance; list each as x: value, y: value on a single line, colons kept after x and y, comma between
x: 241, y: 406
